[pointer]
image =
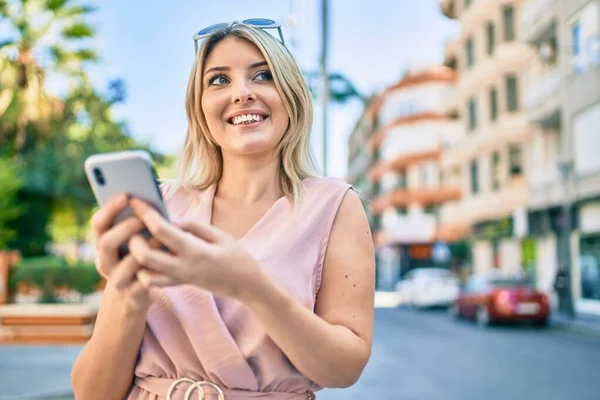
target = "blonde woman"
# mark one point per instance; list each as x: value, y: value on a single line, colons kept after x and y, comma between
x: 267, y: 288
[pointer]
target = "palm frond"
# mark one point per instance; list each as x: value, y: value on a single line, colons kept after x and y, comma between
x: 6, y: 43
x: 86, y: 55
x: 56, y: 5
x: 4, y: 8
x: 58, y: 54
x: 78, y: 30
x: 76, y: 11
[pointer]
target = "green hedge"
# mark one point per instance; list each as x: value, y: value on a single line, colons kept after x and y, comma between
x: 49, y: 273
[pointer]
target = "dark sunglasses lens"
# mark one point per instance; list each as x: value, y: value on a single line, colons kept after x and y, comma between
x: 210, y: 29
x: 259, y: 21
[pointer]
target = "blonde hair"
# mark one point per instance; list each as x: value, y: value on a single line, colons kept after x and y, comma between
x: 201, y: 163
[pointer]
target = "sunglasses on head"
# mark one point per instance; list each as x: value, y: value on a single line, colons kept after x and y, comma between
x: 261, y: 23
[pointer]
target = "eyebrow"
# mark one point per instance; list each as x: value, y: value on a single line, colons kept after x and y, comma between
x: 255, y: 65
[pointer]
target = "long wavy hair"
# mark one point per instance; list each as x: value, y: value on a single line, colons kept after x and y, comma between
x: 201, y: 164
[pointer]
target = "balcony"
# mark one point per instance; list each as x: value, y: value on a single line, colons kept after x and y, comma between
x: 510, y: 128
x: 448, y: 8
x: 406, y: 197
x: 475, y: 13
x: 403, y: 161
x: 535, y: 17
x: 508, y: 57
x: 543, y: 98
x: 546, y: 186
x: 487, y: 206
x: 411, y: 228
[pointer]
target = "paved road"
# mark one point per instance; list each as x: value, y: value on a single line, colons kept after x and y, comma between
x: 424, y: 356
x: 416, y: 356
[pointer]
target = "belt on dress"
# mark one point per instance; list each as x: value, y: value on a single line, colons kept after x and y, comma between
x: 205, y: 390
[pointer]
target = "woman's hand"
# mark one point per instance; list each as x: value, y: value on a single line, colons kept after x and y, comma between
x: 198, y: 254
x: 120, y: 274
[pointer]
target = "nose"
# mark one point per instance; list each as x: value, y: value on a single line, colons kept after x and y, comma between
x: 242, y: 94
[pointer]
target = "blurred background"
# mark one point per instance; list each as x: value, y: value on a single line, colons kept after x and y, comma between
x: 471, y: 126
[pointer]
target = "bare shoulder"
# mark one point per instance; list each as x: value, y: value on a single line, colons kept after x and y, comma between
x: 347, y: 289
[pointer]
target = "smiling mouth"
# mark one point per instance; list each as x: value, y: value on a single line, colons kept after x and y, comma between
x: 247, y: 119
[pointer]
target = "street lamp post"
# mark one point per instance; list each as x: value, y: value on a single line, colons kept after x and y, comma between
x: 566, y: 170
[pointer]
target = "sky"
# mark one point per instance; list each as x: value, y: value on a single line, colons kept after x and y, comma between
x: 149, y: 45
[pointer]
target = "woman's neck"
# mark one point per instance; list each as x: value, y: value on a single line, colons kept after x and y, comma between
x: 246, y: 180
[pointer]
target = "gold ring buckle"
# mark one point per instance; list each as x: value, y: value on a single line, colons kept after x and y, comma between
x: 181, y: 380
x: 199, y: 384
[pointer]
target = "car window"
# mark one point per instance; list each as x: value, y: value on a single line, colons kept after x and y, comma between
x: 511, y: 283
x: 477, y: 284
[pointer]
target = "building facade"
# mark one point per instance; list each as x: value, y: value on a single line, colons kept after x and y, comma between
x: 563, y: 101
x: 395, y: 151
x: 489, y: 162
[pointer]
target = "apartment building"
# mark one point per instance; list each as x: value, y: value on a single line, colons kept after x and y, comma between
x: 489, y: 162
x: 563, y: 101
x: 395, y: 152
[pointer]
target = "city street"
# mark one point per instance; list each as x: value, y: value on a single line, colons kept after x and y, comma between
x: 425, y: 355
x: 416, y: 355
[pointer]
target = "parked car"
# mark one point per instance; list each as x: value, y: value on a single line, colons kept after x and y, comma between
x: 489, y: 300
x: 428, y: 287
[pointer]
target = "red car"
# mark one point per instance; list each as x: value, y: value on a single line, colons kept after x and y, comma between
x: 500, y: 300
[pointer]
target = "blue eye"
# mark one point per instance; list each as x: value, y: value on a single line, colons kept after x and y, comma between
x: 264, y: 76
x: 218, y: 80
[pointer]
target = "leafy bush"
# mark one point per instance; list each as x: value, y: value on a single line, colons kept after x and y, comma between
x: 50, y: 273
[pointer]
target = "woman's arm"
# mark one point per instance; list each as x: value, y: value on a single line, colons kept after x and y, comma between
x: 104, y: 369
x: 332, y: 347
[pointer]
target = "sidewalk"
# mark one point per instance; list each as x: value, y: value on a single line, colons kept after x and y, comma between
x: 36, y: 372
x: 586, y: 324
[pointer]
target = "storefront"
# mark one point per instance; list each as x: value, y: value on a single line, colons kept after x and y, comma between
x: 589, y: 258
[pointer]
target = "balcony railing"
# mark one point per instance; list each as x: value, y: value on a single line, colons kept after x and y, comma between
x: 530, y: 12
x: 541, y: 90
x: 544, y: 176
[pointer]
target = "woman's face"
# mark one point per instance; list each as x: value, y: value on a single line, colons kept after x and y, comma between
x: 243, y: 109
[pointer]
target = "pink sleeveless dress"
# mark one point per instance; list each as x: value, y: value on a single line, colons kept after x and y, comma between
x: 191, y: 333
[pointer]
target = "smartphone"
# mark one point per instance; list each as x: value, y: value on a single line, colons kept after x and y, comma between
x: 130, y: 172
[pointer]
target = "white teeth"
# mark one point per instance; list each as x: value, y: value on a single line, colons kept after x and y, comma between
x: 246, y: 118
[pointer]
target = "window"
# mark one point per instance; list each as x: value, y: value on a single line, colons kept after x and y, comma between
x: 429, y: 175
x: 495, y: 171
x: 491, y: 38
x: 512, y: 98
x: 401, y: 180
x: 472, y: 114
x: 401, y: 210
x: 578, y: 61
x: 474, y: 177
x: 431, y: 210
x: 514, y: 161
x: 589, y: 262
x: 576, y: 33
x: 508, y: 15
x: 469, y: 50
x: 493, y: 104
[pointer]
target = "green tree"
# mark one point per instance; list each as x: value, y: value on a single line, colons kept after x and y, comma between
x: 43, y: 37
x: 10, y: 182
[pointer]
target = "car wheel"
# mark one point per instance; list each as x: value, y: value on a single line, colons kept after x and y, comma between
x: 542, y: 323
x: 483, y: 317
x: 453, y: 312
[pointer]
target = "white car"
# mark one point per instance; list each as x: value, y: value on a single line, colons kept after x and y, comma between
x: 428, y: 287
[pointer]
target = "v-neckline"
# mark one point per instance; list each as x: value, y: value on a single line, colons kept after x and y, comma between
x: 209, y: 201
